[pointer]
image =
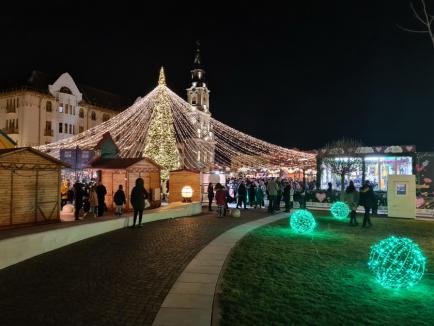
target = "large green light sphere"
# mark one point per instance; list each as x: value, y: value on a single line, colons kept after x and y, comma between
x: 397, y: 262
x: 302, y: 221
x: 340, y: 210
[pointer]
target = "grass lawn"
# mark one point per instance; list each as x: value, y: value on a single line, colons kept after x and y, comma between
x: 277, y: 277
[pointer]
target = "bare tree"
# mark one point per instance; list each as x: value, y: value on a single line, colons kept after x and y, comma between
x: 342, y: 157
x: 424, y: 18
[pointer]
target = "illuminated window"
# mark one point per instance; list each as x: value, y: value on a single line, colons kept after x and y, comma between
x: 61, y: 108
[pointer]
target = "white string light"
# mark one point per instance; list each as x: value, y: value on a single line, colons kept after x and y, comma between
x: 227, y: 145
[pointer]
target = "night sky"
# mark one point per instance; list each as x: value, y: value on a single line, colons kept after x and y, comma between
x: 298, y: 76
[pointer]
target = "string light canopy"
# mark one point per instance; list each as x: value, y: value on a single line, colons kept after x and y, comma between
x: 302, y: 221
x: 340, y: 210
x: 397, y: 262
x: 135, y: 129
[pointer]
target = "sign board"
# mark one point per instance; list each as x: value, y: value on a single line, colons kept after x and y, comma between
x: 401, y: 196
x: 78, y: 159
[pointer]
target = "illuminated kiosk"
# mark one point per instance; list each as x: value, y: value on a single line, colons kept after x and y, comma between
x: 184, y: 186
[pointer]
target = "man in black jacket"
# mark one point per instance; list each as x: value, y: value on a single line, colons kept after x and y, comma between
x: 366, y: 199
x: 101, y: 191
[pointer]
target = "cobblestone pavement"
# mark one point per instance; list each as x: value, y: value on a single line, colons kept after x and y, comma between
x: 119, y: 278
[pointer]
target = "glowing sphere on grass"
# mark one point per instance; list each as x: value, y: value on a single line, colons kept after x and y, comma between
x: 236, y: 213
x: 397, y: 262
x: 302, y: 221
x: 340, y: 210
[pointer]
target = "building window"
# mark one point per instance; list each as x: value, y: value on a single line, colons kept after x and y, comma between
x: 61, y: 108
x: 80, y: 129
x: 18, y: 102
x: 73, y: 130
x: 70, y: 129
x: 81, y: 113
x: 48, y: 130
x: 48, y: 106
x: 66, y: 108
x: 93, y: 115
x: 65, y: 128
x: 65, y: 90
x: 60, y: 127
x: 105, y: 117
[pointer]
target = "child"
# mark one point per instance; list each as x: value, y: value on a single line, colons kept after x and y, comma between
x: 220, y: 198
x: 119, y: 200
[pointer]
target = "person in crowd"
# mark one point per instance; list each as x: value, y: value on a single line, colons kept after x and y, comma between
x: 70, y: 194
x: 278, y: 197
x: 351, y: 197
x: 329, y: 193
x: 272, y: 189
x: 302, y: 197
x: 287, y: 196
x: 210, y: 195
x: 78, y: 199
x: 220, y: 198
x: 64, y: 193
x: 259, y: 196
x: 242, y: 193
x: 138, y: 196
x: 252, y: 195
x: 366, y: 199
x: 101, y: 191
x: 120, y: 201
x: 93, y: 201
x: 86, y: 204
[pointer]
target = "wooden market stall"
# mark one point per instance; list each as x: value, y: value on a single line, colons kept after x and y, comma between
x: 178, y: 179
x: 113, y: 172
x: 30, y: 183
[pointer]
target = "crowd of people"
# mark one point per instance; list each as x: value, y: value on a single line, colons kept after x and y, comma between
x: 89, y: 197
x: 254, y: 192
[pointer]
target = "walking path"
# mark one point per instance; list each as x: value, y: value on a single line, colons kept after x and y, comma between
x: 190, y: 300
x: 118, y: 278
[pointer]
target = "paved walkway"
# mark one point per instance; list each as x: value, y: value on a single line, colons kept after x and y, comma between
x: 119, y: 278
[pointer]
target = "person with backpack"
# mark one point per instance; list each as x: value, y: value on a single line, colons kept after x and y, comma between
x: 119, y: 200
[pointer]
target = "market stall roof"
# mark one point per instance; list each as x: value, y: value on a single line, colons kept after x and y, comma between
x: 119, y: 163
x: 6, y: 141
x: 11, y: 151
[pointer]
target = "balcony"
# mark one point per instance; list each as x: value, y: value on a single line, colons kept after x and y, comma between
x: 48, y: 132
x: 11, y: 131
x: 10, y: 110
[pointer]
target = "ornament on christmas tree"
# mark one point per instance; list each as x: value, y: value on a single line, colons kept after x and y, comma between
x: 340, y: 210
x: 302, y: 221
x: 397, y: 262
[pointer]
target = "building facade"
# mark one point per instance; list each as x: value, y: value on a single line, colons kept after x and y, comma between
x: 42, y: 109
x: 203, y: 145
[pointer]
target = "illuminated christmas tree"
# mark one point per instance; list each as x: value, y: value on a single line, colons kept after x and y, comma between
x: 161, y: 138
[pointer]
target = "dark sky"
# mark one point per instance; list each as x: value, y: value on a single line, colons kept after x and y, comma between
x: 298, y: 75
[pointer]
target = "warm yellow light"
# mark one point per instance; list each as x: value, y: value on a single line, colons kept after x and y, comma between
x: 187, y: 192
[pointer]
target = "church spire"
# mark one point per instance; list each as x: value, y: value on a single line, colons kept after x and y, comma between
x: 197, y: 61
x: 198, y: 74
x: 162, y: 78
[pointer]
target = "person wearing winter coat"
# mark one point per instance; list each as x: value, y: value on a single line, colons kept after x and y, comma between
x: 78, y: 199
x: 242, y: 193
x: 259, y: 196
x: 137, y: 198
x: 220, y: 198
x: 119, y: 200
x: 272, y: 189
x: 287, y: 197
x: 252, y: 195
x: 93, y: 201
x: 351, y: 197
x: 366, y: 199
x: 101, y: 191
x: 210, y: 195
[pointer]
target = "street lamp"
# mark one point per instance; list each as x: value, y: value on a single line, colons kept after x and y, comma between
x: 187, y: 194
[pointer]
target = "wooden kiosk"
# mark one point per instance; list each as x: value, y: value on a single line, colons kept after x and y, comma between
x: 180, y: 178
x: 30, y: 183
x: 124, y: 171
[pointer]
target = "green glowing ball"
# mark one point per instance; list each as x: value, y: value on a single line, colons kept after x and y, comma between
x: 340, y: 210
x: 397, y: 262
x: 302, y: 221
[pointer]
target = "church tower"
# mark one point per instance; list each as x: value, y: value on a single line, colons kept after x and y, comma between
x: 198, y: 98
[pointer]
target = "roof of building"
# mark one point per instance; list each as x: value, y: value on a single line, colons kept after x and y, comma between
x: 6, y: 141
x: 119, y: 163
x: 39, y: 81
x: 9, y: 151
